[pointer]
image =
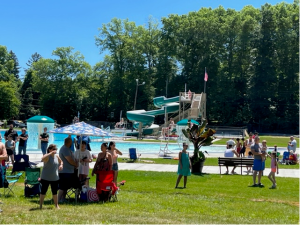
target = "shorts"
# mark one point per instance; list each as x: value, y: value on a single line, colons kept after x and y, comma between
x: 45, y: 184
x: 273, y: 170
x: 115, y: 167
x: 238, y: 150
x: 258, y: 165
x: 243, y: 150
x: 10, y: 152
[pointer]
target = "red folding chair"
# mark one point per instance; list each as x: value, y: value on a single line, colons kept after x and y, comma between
x: 106, y: 188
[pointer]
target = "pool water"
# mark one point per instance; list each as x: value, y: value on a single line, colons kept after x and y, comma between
x: 142, y: 147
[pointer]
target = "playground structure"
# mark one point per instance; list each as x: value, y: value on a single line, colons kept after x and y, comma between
x: 188, y: 105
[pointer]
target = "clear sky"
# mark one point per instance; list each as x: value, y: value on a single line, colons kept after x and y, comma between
x: 29, y: 26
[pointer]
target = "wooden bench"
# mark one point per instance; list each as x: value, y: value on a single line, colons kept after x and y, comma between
x: 234, y: 161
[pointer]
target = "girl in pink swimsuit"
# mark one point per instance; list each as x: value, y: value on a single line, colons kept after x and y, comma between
x: 274, y: 169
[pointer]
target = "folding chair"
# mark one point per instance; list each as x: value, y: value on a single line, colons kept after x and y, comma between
x: 32, y: 183
x: 75, y: 187
x: 285, y: 158
x: 8, y: 181
x: 21, y: 162
x: 133, y: 154
x: 106, y: 188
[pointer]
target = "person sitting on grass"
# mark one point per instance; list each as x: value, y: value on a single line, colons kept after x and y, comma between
x: 184, y: 166
x: 230, y: 152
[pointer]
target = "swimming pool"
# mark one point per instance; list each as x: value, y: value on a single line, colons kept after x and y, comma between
x: 142, y: 147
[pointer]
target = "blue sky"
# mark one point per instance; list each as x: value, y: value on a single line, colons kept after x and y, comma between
x: 43, y: 25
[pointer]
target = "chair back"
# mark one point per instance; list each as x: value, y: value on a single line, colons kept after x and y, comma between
x: 132, y: 153
x: 32, y: 175
x: 106, y: 176
x: 286, y: 155
x: 21, y: 162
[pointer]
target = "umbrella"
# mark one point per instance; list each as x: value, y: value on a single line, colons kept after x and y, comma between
x: 82, y: 129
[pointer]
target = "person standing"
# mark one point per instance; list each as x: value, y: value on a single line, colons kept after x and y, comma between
x: 52, y: 163
x: 3, y: 158
x: 258, y: 163
x: 292, y: 144
x: 22, y: 142
x: 114, y: 152
x: 44, y: 137
x: 184, y: 166
x: 66, y: 175
x: 10, y: 146
x: 12, y: 132
x: 84, y: 157
x: 274, y: 169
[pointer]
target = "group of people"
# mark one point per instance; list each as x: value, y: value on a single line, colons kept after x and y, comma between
x: 70, y: 170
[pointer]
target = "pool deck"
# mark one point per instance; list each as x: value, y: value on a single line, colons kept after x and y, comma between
x: 292, y: 173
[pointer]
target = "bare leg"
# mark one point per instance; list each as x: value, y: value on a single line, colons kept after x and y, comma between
x: 184, y: 181
x: 42, y: 197
x: 254, y: 176
x: 271, y: 178
x: 178, y: 180
x: 116, y: 176
x: 55, y: 200
x: 259, y: 176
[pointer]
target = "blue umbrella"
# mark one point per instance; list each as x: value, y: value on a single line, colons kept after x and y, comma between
x: 82, y: 129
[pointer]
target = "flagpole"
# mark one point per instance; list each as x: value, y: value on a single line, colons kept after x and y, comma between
x: 205, y: 82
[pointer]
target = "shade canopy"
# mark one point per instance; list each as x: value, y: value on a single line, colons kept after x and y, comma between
x: 185, y: 121
x: 82, y: 128
x: 40, y: 119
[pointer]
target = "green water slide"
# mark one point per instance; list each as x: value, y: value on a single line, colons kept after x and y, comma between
x: 168, y: 105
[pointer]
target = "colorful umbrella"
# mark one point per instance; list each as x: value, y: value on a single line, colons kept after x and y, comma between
x: 82, y: 129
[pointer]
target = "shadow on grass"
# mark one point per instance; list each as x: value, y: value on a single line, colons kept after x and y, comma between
x: 201, y: 174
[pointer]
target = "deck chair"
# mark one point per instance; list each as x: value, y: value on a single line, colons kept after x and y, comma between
x: 21, y: 162
x: 133, y: 155
x: 32, y: 183
x: 106, y: 188
x: 8, y: 182
x: 285, y: 158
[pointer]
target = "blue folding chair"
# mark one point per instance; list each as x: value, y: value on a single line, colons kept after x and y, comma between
x: 133, y: 154
x: 285, y: 158
x: 8, y: 182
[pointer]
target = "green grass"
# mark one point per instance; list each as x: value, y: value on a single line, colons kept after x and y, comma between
x: 150, y: 197
x: 271, y: 141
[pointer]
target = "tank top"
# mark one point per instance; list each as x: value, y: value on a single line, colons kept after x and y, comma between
x: 250, y: 142
x: 50, y: 170
x: 273, y: 163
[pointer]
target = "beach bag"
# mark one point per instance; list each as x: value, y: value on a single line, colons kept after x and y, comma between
x: 92, y: 195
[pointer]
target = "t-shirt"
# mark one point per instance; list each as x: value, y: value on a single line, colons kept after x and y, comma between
x: 50, y: 169
x: 256, y: 148
x: 229, y: 153
x: 23, y: 142
x: 67, y: 167
x: 83, y: 166
x: 44, y: 135
x: 13, y: 132
x: 294, y: 143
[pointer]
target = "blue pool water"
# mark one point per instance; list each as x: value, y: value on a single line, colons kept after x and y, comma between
x: 142, y: 147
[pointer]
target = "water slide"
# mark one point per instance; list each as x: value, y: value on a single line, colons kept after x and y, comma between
x: 168, y: 105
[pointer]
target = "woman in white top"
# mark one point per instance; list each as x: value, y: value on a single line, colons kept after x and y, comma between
x: 84, y: 157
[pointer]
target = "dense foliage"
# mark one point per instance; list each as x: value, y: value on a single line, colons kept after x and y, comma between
x: 251, y: 56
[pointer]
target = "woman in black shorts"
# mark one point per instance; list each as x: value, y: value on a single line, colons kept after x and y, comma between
x: 52, y: 163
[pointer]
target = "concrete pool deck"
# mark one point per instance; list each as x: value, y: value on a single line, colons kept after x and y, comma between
x: 292, y: 173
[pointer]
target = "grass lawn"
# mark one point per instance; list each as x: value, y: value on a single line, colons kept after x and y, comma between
x: 271, y: 141
x: 150, y: 197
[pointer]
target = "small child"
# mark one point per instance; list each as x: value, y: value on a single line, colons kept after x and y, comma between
x: 274, y: 168
x: 84, y: 157
x: 238, y: 146
x: 10, y: 148
x: 250, y: 156
x: 264, y: 149
x: 184, y: 166
x: 244, y: 143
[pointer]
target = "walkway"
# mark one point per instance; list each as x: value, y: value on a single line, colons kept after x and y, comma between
x: 293, y: 173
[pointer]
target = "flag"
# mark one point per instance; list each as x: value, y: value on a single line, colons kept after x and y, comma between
x: 205, y: 75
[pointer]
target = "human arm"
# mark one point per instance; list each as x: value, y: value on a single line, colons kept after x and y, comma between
x: 3, y: 155
x: 45, y: 157
x: 110, y: 160
x: 61, y: 164
x: 235, y: 152
x: 96, y: 164
x: 179, y: 156
x: 118, y: 152
x: 71, y: 161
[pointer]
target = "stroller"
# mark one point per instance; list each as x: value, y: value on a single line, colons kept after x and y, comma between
x: 32, y: 183
x: 106, y: 188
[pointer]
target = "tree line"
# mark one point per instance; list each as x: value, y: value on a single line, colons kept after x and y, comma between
x: 251, y: 57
